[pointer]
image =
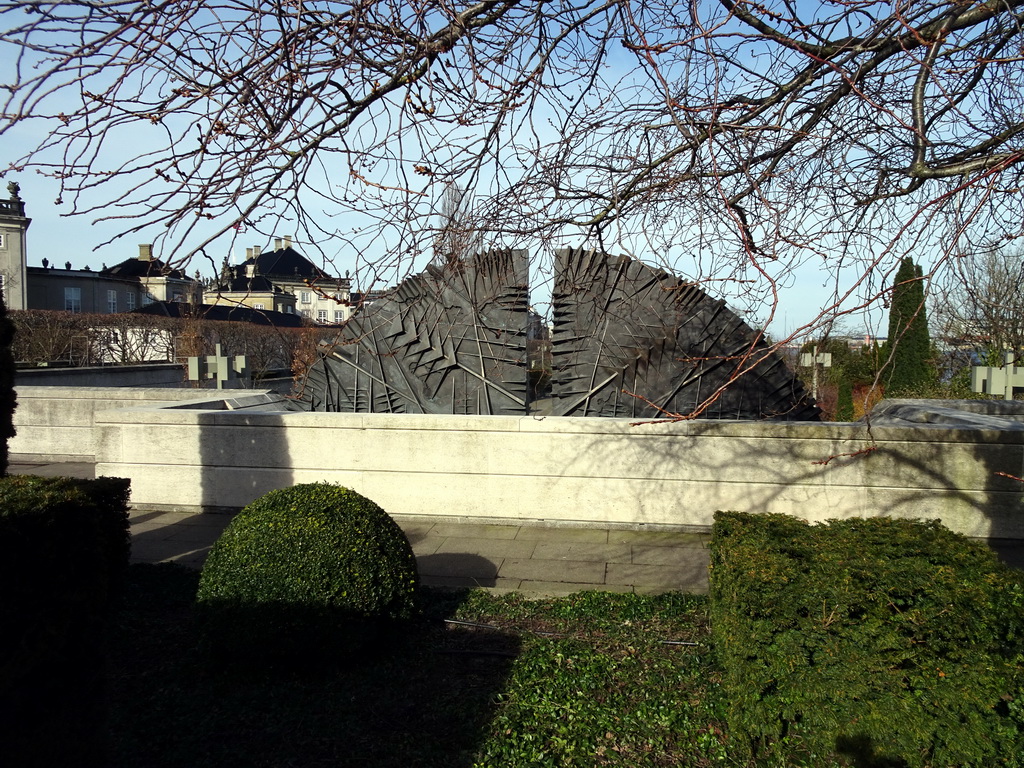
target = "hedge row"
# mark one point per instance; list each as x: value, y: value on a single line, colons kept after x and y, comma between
x: 64, y: 550
x: 890, y: 642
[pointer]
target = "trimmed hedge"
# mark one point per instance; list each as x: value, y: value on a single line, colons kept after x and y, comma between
x: 891, y: 642
x: 308, y: 573
x: 64, y: 551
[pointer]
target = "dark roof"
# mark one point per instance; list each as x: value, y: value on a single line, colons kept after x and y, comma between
x: 224, y: 313
x: 366, y: 297
x: 139, y: 268
x: 287, y: 263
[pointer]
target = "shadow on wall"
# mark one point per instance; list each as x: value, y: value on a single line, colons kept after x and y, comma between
x: 953, y: 477
x: 241, y: 458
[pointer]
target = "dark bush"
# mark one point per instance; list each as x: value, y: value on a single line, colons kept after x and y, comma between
x: 63, y: 562
x: 307, y: 573
x: 892, y: 642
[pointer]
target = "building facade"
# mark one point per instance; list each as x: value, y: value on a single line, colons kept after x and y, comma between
x: 13, y: 252
x: 127, y: 286
x: 283, y: 280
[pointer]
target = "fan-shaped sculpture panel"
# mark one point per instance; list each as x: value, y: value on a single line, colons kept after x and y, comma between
x: 637, y: 342
x: 628, y: 341
x: 450, y: 340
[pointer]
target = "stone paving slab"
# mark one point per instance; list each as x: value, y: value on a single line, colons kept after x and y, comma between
x: 660, y: 538
x: 597, y: 553
x: 667, y: 577
x: 459, y: 564
x: 491, y: 560
x: 673, y: 556
x: 576, y: 571
x: 427, y: 546
x: 485, y: 530
x: 489, y: 547
x: 545, y: 533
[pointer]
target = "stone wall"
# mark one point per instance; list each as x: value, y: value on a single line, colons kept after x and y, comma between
x: 55, y: 423
x: 217, y: 454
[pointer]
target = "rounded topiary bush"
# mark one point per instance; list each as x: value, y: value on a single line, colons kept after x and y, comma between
x: 309, y: 572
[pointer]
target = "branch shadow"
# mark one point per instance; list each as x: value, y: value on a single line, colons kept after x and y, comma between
x: 909, y: 470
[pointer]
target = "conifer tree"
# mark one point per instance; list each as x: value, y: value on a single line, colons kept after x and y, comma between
x: 909, y: 370
x: 844, y: 404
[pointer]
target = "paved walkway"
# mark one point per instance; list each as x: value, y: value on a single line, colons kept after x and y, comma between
x: 533, y: 559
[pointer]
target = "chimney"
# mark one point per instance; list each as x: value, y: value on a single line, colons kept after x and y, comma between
x: 277, y: 243
x: 256, y: 250
x: 287, y: 241
x: 146, y: 252
x: 248, y: 253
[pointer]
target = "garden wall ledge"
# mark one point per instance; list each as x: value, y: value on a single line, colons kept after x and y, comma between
x: 217, y: 452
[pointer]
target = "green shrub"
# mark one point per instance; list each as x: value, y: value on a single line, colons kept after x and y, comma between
x: 64, y: 551
x: 63, y: 557
x: 892, y: 642
x: 306, y: 573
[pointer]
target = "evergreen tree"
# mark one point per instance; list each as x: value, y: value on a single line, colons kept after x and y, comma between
x: 844, y: 404
x: 909, y: 369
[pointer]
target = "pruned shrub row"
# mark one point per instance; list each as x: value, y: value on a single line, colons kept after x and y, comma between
x: 64, y: 551
x: 891, y: 642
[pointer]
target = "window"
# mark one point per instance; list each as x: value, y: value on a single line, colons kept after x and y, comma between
x: 72, y: 299
x: 259, y: 305
x: 111, y: 301
x: 3, y: 240
x: 147, y: 300
x: 306, y: 313
x: 306, y: 297
x: 339, y: 316
x: 321, y: 315
x: 130, y: 303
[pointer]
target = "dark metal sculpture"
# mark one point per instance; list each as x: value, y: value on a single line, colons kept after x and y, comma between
x: 451, y: 340
x: 628, y: 341
x: 637, y: 342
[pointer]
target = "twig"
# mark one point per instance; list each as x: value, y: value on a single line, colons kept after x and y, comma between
x: 824, y: 462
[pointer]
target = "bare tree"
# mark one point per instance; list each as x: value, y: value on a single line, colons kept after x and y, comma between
x: 740, y: 141
x: 979, y: 310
